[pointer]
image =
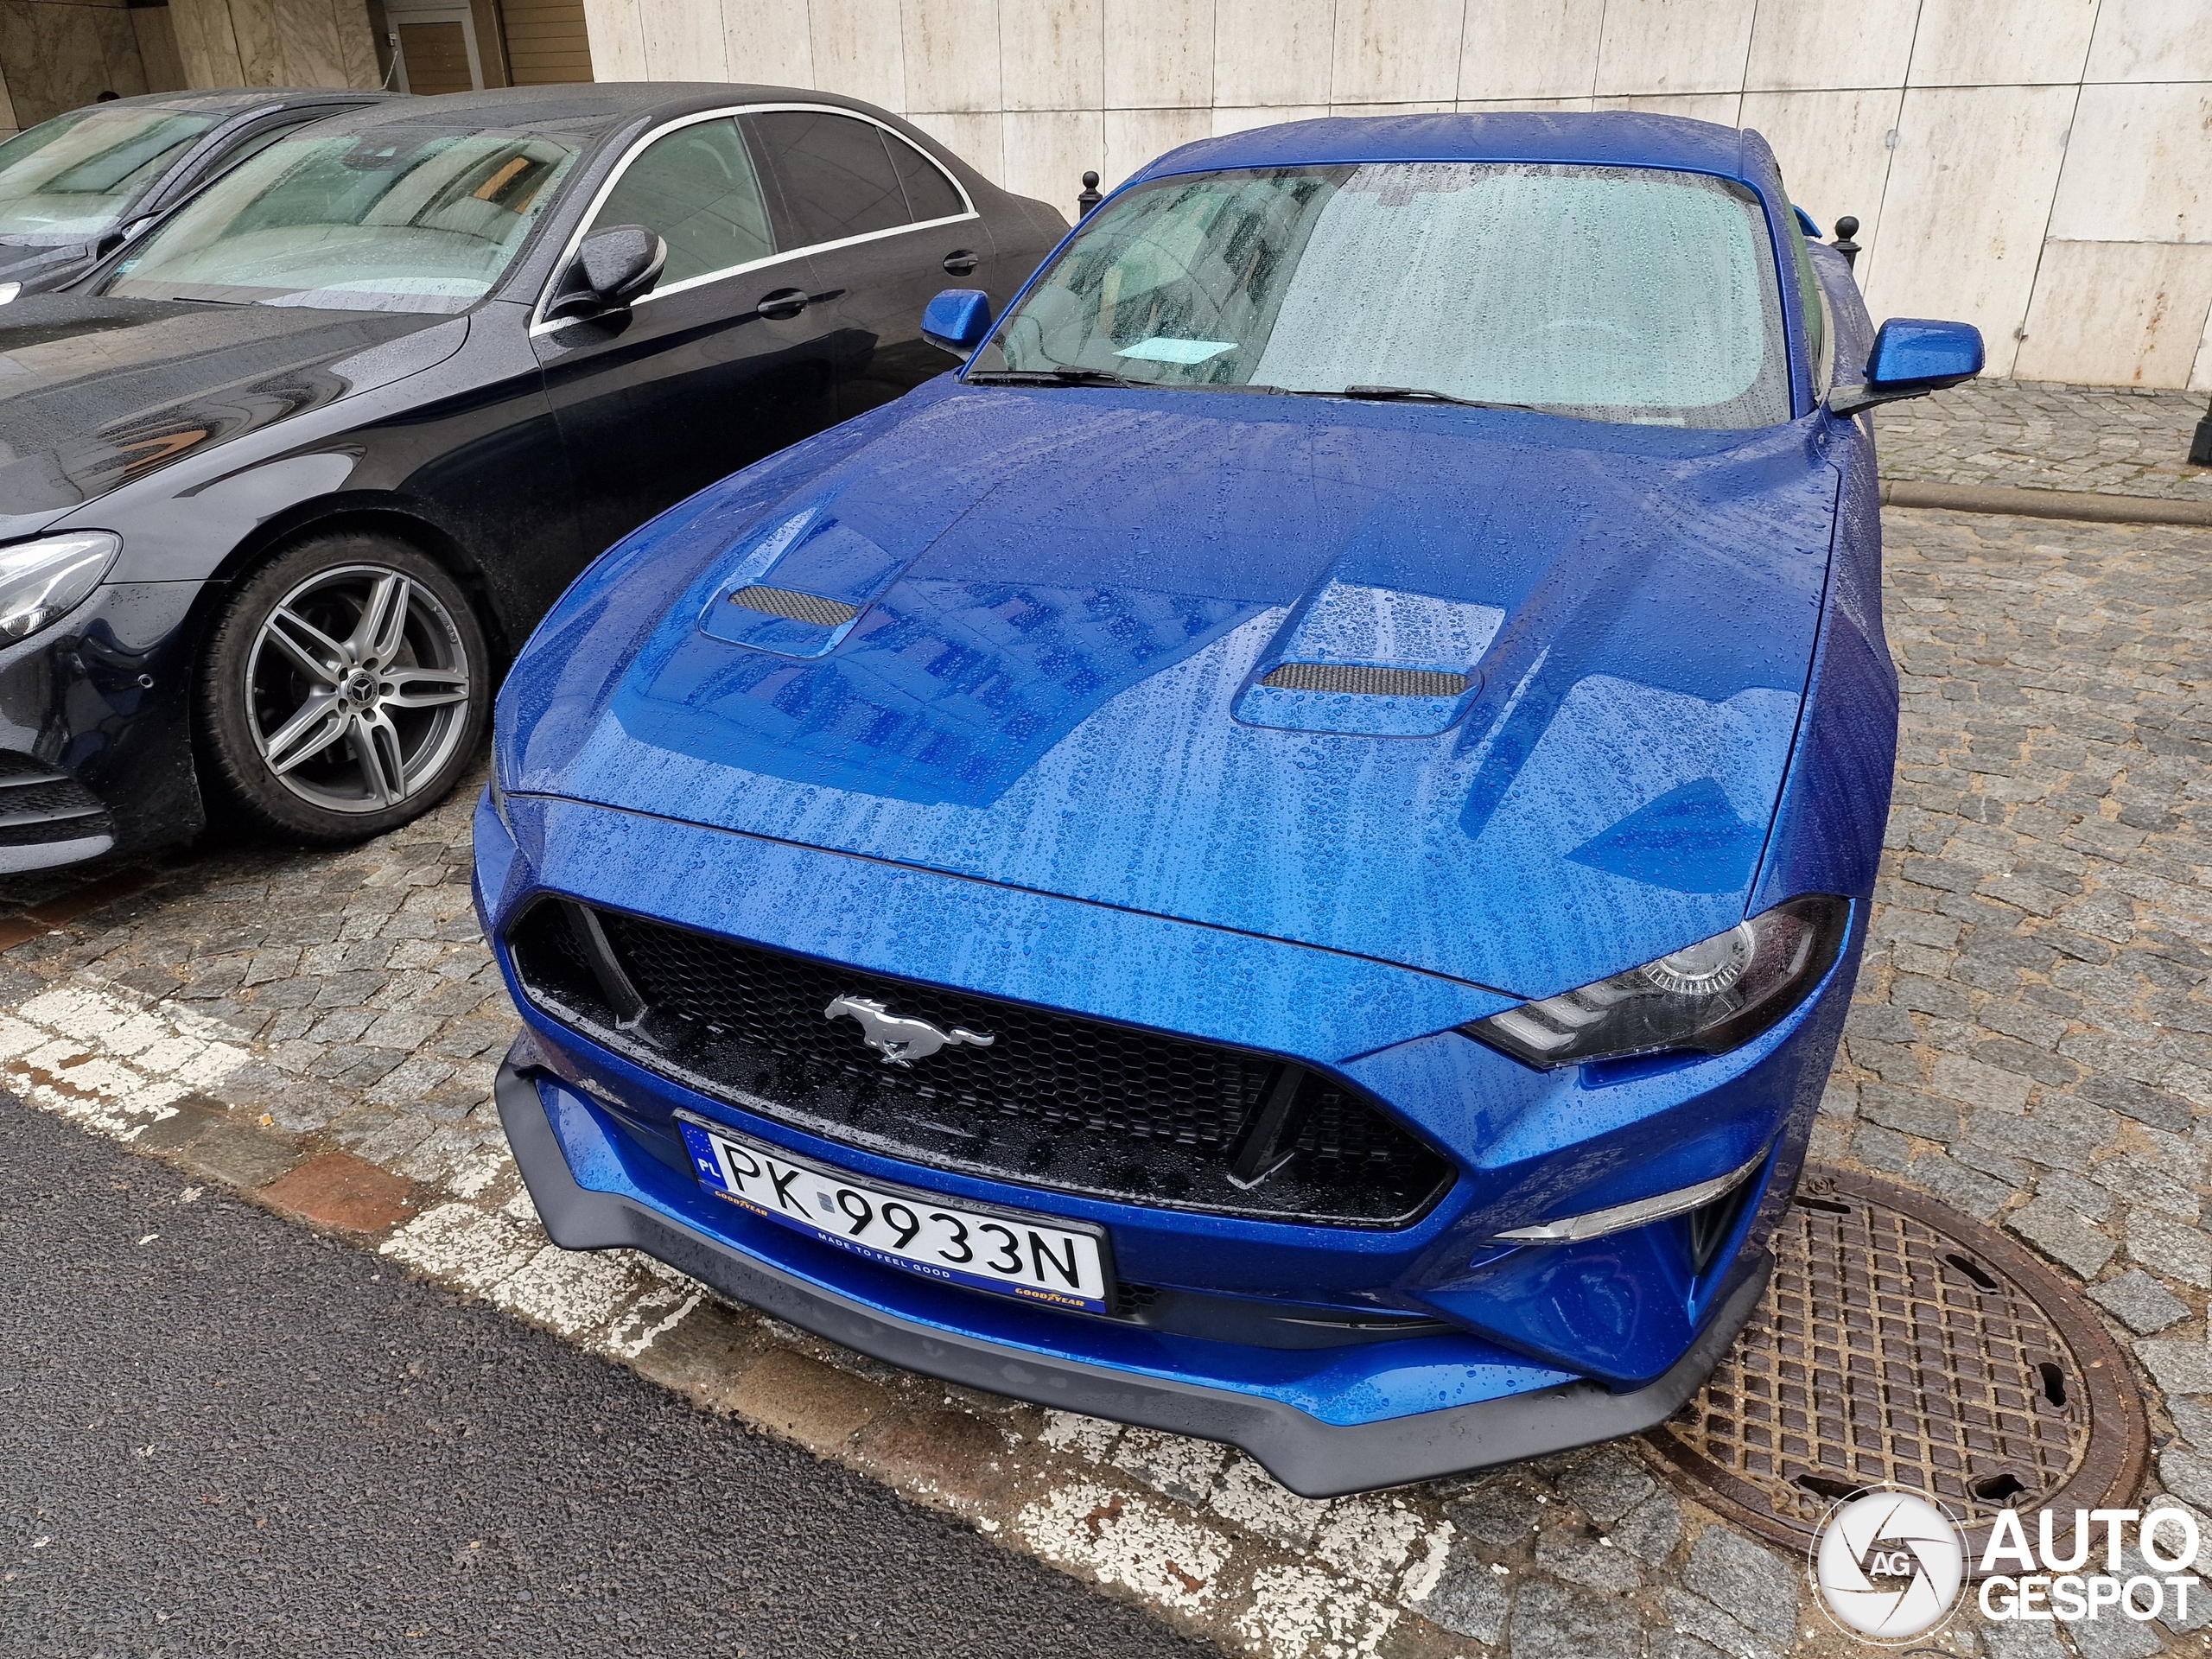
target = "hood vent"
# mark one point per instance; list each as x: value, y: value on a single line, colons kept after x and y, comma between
x: 797, y: 606
x: 1361, y: 679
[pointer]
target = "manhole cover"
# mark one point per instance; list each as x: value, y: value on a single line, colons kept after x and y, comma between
x: 1902, y: 1343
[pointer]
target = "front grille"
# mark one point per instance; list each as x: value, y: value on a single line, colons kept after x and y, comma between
x: 1054, y: 1100
x: 797, y: 606
x: 1361, y: 679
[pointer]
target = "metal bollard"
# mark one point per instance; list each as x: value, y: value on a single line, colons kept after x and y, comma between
x: 1846, y: 228
x: 1089, y: 198
x: 2200, y: 452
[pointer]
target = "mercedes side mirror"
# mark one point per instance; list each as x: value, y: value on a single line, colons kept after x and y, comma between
x: 957, y: 320
x: 1912, y: 357
x: 613, y: 267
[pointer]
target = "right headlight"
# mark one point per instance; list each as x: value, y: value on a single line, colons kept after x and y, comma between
x: 1709, y: 997
x: 44, y: 580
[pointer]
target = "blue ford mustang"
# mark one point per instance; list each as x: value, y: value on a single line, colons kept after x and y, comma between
x: 1281, y: 857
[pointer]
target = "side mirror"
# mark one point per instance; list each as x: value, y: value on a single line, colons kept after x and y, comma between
x: 1913, y: 356
x: 613, y: 267
x: 957, y: 320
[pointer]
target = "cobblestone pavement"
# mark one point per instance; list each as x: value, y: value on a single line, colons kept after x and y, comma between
x: 2032, y: 434
x: 2032, y: 1044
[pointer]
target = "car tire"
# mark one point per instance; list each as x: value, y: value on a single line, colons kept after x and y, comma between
x: 344, y: 688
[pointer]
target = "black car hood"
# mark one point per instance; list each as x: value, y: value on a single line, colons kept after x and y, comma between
x: 97, y: 392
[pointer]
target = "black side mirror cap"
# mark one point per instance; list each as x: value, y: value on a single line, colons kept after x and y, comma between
x: 1912, y: 357
x: 613, y: 266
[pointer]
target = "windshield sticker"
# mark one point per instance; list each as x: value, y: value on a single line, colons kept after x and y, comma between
x: 1160, y: 349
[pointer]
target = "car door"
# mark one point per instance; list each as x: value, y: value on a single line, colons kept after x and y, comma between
x: 888, y: 227
x: 725, y: 361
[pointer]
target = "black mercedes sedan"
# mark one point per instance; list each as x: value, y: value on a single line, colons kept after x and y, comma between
x: 81, y: 185
x: 285, y: 482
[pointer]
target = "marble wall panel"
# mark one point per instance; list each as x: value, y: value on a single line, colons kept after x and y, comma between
x: 1396, y: 51
x: 858, y: 49
x: 1386, y: 110
x: 1048, y: 151
x: 2138, y: 166
x: 2001, y: 42
x: 2117, y: 313
x: 977, y: 137
x: 1519, y: 105
x: 760, y: 44
x: 684, y: 40
x: 1159, y: 53
x: 2200, y: 378
x: 1243, y: 118
x: 308, y: 51
x: 1272, y: 53
x: 1665, y: 46
x: 617, y: 32
x: 1537, y: 49
x: 204, y: 43
x: 119, y: 39
x: 1052, y: 54
x: 57, y: 57
x: 1721, y: 107
x: 1832, y: 149
x: 951, y: 52
x: 1962, y: 220
x: 1135, y: 136
x: 158, y: 52
x: 2151, y: 40
x: 1809, y: 44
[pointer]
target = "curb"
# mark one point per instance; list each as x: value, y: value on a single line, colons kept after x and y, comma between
x: 2081, y: 505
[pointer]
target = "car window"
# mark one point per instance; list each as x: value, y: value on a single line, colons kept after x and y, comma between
x: 403, y: 218
x: 1606, y: 293
x: 697, y: 187
x: 836, y: 177
x: 74, y: 175
x: 930, y: 194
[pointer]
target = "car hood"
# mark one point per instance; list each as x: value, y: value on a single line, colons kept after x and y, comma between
x: 1022, y: 635
x: 96, y: 392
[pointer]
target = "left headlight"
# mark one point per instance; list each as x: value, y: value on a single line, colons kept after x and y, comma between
x: 1709, y: 997
x: 45, y: 580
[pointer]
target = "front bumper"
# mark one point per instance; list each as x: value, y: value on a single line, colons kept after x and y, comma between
x: 1310, y: 1457
x: 95, y: 738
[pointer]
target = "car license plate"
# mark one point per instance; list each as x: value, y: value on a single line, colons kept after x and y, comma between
x: 1004, y: 1250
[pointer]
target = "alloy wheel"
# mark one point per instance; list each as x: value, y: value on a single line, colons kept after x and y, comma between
x: 356, y: 687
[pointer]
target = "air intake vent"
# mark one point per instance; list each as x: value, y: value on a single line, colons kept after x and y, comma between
x: 1362, y: 680
x: 799, y: 607
x: 1055, y: 1101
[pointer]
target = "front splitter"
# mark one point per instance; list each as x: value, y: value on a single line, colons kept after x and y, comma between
x: 1312, y: 1457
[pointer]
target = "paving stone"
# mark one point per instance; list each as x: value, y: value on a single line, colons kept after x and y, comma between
x: 2114, y: 1635
x: 2140, y: 1302
x: 339, y: 1190
x: 2172, y: 1248
x: 239, y: 1155
x: 1606, y: 1484
x: 2178, y: 1366
x: 1757, y: 1586
x: 2061, y: 1234
x: 1501, y: 1512
x: 1552, y: 1621
x: 2020, y: 1639
x: 1694, y: 1616
x: 1470, y: 1599
x: 1651, y: 1529
x: 1572, y: 1553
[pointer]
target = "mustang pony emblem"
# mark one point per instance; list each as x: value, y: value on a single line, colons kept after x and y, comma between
x: 901, y: 1041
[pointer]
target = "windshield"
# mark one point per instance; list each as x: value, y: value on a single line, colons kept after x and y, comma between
x: 393, y: 219
x: 72, y: 177
x: 1606, y: 293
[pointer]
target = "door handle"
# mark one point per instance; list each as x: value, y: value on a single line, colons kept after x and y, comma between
x: 782, y: 305
x: 959, y: 262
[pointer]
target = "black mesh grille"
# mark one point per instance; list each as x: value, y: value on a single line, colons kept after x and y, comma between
x: 1362, y: 680
x: 1055, y: 1101
x: 799, y: 607
x: 38, y: 804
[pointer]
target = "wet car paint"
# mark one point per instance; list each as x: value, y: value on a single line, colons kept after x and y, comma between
x: 1032, y: 764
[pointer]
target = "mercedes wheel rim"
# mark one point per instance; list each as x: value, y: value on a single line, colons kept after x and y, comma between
x: 357, y: 688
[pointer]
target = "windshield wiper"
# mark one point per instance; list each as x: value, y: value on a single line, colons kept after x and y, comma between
x: 1062, y: 376
x: 1382, y: 394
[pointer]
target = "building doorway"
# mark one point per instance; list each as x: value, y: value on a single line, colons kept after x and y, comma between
x: 435, y: 49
